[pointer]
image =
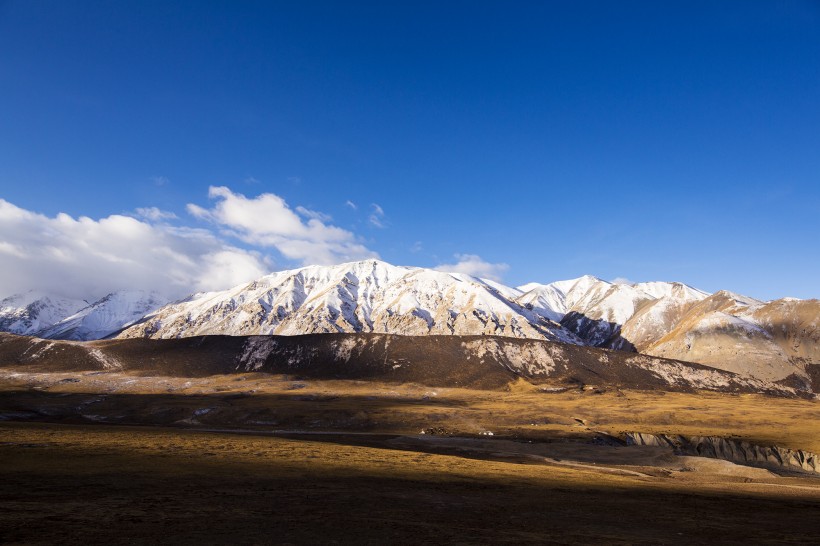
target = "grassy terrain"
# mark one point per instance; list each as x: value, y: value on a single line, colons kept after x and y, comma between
x: 92, y: 484
x: 91, y: 458
x: 265, y: 402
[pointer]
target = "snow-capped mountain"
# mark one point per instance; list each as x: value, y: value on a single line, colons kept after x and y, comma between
x: 51, y: 317
x: 32, y: 312
x: 596, y: 310
x: 106, y: 316
x: 774, y: 341
x: 366, y: 296
x: 546, y: 300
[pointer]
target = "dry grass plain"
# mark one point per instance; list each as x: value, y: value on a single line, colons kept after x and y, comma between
x: 254, y: 458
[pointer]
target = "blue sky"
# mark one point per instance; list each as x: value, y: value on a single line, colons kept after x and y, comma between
x: 538, y: 141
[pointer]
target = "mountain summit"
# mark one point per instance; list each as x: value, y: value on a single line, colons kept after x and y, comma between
x: 366, y: 296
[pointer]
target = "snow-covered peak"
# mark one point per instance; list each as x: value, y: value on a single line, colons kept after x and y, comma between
x: 544, y: 299
x: 375, y: 296
x: 671, y: 290
x: 366, y: 296
x: 30, y: 312
x: 105, y: 316
x: 738, y: 298
x: 524, y: 288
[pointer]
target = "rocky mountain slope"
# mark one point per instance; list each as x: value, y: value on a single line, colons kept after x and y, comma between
x: 771, y: 341
x: 466, y: 361
x: 51, y: 317
x: 32, y: 312
x: 596, y: 310
x: 368, y: 296
x: 110, y: 314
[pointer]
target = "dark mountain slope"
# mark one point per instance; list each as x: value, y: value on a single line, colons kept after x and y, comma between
x: 466, y: 361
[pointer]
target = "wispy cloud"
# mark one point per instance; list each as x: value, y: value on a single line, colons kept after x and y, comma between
x: 268, y: 221
x: 155, y: 214
x: 307, y: 213
x: 160, y: 180
x: 376, y: 217
x: 621, y: 280
x: 351, y: 204
x: 416, y: 247
x: 474, y: 265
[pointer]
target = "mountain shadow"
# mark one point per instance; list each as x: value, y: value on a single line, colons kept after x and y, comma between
x: 597, y: 332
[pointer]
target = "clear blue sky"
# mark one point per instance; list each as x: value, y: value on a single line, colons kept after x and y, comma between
x: 645, y: 140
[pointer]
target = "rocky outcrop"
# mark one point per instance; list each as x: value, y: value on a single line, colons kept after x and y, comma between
x: 736, y: 451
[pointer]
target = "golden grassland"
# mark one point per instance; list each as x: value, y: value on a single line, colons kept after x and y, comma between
x: 85, y: 484
x: 371, y: 478
x: 262, y: 401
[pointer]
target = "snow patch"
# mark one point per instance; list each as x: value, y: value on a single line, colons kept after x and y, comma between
x: 255, y: 352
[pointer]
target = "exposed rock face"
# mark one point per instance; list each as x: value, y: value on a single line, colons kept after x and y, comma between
x: 736, y: 451
x: 467, y: 361
x: 771, y: 341
x: 652, y: 321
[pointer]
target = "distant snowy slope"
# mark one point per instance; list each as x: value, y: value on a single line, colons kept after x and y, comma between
x: 33, y: 311
x: 598, y: 311
x: 104, y: 317
x: 546, y: 300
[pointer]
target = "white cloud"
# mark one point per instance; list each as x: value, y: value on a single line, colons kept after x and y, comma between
x: 351, y: 204
x: 376, y: 217
x: 622, y: 280
x: 472, y: 264
x: 268, y: 221
x: 159, y: 180
x: 416, y: 247
x: 307, y: 213
x: 10, y: 249
x: 87, y: 258
x: 155, y: 214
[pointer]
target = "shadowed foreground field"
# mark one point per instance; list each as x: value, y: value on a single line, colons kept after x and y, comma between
x: 92, y: 484
x: 91, y: 457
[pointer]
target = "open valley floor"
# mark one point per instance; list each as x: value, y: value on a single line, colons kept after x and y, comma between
x: 92, y: 457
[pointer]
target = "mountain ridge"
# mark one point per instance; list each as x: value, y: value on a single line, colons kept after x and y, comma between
x: 485, y: 362
x: 667, y: 319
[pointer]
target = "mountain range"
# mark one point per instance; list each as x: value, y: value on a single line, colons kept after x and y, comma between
x: 774, y: 341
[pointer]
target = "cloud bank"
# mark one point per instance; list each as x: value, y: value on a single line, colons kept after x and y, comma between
x: 472, y: 264
x: 82, y: 257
